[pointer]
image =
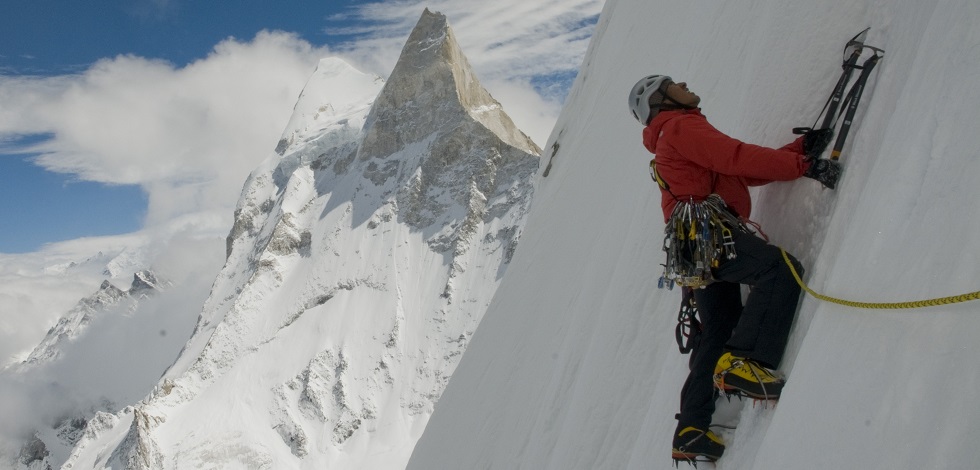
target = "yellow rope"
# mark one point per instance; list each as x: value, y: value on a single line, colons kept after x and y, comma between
x: 955, y: 299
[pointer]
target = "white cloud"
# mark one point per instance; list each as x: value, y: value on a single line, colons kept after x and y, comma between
x: 33, y: 297
x: 122, y: 354
x: 189, y: 136
x: 532, y: 113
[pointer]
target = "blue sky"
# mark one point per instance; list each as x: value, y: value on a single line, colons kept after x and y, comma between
x: 58, y: 36
x: 41, y: 206
x: 117, y: 116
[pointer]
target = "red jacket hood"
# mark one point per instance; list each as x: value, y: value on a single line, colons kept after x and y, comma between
x: 651, y: 134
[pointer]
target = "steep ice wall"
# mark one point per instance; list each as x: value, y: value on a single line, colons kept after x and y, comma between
x: 362, y: 257
x: 575, y: 366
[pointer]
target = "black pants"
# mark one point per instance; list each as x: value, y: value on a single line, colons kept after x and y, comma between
x: 758, y: 331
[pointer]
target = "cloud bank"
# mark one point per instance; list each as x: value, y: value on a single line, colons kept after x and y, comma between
x: 120, y: 356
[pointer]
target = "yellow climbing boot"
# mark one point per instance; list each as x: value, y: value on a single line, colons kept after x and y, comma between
x: 743, y: 376
x: 696, y: 445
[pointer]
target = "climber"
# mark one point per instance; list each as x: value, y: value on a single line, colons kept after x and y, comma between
x: 740, y: 345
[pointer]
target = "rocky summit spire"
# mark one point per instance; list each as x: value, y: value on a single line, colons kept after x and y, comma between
x: 434, y: 132
x: 433, y: 85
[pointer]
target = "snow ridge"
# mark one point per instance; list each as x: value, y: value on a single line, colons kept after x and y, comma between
x: 75, y: 321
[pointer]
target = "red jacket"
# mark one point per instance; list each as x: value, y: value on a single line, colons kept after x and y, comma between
x: 696, y: 160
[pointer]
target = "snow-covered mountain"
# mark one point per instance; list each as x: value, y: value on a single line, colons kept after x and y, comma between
x: 362, y: 257
x: 75, y: 322
x: 70, y: 399
x: 574, y: 365
x: 70, y: 271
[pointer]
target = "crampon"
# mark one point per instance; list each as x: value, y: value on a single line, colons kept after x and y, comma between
x: 691, y: 459
x: 740, y: 377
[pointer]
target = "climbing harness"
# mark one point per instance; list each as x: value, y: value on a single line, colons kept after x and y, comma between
x: 955, y: 299
x: 699, y: 235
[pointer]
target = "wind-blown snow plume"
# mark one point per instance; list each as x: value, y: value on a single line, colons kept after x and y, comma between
x: 362, y: 257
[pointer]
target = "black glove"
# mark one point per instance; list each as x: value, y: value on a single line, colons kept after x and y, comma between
x: 815, y: 141
x: 827, y: 172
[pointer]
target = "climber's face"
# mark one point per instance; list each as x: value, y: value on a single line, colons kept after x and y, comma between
x: 679, y: 93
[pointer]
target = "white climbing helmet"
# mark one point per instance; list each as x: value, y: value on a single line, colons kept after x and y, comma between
x: 640, y: 104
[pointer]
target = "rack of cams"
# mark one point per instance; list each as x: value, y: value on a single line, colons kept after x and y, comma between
x: 697, y: 238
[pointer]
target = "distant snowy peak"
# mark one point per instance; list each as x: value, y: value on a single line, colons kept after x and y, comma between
x: 432, y: 83
x: 143, y: 282
x: 74, y: 322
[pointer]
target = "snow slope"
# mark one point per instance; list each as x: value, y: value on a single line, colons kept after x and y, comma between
x: 574, y: 365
